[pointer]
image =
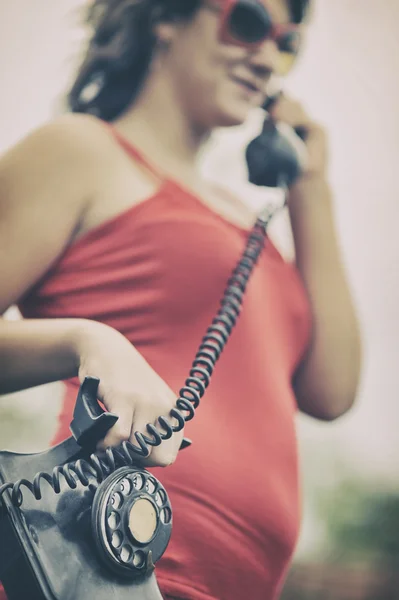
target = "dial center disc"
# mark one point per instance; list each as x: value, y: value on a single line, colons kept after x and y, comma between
x: 143, y: 520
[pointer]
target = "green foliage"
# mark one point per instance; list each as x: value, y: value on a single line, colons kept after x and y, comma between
x: 363, y: 524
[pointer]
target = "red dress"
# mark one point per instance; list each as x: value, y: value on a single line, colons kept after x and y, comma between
x: 156, y: 273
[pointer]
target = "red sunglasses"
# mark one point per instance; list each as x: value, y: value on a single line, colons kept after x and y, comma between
x: 248, y: 23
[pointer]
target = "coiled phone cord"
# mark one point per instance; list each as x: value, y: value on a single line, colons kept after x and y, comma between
x: 100, y: 465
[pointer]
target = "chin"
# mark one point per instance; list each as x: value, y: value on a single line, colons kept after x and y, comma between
x: 232, y: 117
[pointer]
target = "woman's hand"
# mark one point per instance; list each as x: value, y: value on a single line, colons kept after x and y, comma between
x: 129, y: 387
x: 289, y: 111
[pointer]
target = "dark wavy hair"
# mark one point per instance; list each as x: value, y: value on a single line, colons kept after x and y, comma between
x: 121, y: 47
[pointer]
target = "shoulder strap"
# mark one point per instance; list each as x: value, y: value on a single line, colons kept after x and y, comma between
x: 137, y: 154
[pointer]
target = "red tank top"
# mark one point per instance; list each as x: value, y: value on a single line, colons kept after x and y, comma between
x: 156, y: 273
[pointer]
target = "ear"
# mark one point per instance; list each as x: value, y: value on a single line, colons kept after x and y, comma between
x: 165, y: 33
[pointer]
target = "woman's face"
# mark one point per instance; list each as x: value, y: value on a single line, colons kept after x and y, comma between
x: 218, y: 83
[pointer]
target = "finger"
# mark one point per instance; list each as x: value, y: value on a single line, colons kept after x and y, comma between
x: 289, y: 112
x: 172, y: 445
x: 277, y: 105
x: 139, y: 426
x: 164, y: 454
x: 120, y: 432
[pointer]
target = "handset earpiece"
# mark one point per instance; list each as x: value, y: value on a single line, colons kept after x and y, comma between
x: 277, y: 156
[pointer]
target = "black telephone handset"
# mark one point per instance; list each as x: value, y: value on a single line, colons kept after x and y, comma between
x: 276, y: 157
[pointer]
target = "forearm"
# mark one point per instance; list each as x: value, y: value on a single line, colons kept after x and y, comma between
x: 327, y: 380
x: 35, y: 352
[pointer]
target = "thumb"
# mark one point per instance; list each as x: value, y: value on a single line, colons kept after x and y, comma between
x: 120, y: 432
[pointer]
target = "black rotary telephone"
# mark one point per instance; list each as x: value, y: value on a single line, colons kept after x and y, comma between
x: 76, y: 524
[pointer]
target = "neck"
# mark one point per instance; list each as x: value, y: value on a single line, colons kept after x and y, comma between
x: 158, y: 124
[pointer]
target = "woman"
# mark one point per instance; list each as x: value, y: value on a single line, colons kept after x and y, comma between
x: 118, y: 253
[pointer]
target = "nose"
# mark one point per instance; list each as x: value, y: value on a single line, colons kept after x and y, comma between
x: 263, y: 59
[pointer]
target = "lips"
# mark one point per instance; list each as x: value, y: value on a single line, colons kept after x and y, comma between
x: 250, y: 84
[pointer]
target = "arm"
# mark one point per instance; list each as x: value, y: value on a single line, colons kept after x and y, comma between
x: 46, y: 184
x: 38, y: 351
x: 35, y: 352
x: 326, y: 382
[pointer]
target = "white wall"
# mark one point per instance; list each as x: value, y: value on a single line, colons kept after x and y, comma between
x: 348, y: 79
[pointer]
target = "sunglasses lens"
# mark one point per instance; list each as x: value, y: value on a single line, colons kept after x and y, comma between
x: 289, y: 44
x: 249, y: 22
x: 285, y: 62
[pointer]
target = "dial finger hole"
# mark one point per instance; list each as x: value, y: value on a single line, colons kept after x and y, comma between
x: 117, y: 539
x: 126, y: 486
x: 150, y: 485
x: 160, y: 497
x: 166, y: 515
x: 126, y: 554
x: 113, y: 520
x: 138, y: 481
x: 116, y: 500
x: 139, y: 559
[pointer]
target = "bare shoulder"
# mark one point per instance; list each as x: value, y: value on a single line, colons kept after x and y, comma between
x: 61, y: 159
x: 46, y: 182
x: 72, y: 136
x: 77, y: 132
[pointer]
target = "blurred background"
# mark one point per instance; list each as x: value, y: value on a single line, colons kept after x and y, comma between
x: 347, y: 78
